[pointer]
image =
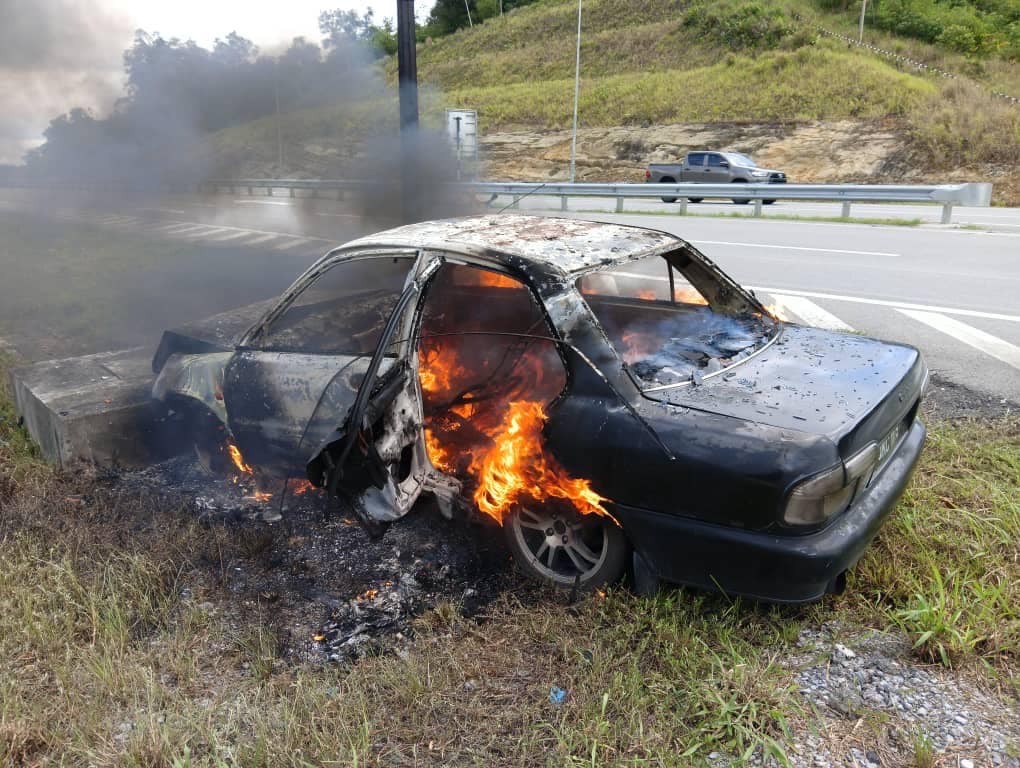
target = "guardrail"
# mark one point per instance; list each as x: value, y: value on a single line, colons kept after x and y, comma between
x: 946, y: 195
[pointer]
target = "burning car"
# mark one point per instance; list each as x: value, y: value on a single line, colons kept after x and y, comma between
x: 605, y: 393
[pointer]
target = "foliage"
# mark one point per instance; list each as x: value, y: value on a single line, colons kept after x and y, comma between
x: 448, y: 16
x: 979, y: 28
x: 342, y: 27
x: 740, y: 23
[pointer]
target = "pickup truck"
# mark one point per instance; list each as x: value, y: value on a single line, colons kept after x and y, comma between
x: 713, y: 168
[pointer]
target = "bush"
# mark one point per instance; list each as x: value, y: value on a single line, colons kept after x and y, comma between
x: 741, y: 23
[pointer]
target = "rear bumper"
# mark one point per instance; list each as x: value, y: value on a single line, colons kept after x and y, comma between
x: 767, y: 566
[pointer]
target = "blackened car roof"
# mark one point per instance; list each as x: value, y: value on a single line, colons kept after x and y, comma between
x: 571, y: 245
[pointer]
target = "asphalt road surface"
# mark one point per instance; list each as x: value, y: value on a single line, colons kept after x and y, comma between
x: 952, y: 292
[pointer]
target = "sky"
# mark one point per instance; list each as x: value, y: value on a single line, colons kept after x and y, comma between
x: 59, y: 54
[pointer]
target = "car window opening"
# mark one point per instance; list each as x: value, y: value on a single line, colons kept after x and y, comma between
x: 489, y: 369
x: 673, y: 322
x: 342, y: 311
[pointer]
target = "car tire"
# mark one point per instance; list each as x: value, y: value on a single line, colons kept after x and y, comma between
x: 667, y: 180
x: 740, y: 200
x: 588, y: 551
x: 695, y: 199
x: 768, y: 202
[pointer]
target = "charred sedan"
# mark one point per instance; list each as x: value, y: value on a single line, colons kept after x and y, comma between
x: 605, y: 393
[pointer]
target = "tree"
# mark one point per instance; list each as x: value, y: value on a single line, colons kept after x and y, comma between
x: 343, y: 28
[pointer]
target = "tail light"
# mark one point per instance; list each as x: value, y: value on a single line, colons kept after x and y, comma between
x: 648, y: 175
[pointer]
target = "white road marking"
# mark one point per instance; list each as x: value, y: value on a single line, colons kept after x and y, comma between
x: 262, y: 202
x: 886, y: 303
x: 296, y: 242
x: 262, y: 239
x: 229, y: 236
x: 178, y: 229
x: 984, y: 342
x: 795, y: 248
x: 204, y: 232
x: 809, y: 312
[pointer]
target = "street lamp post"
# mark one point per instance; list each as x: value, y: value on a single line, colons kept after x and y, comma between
x: 577, y: 90
x: 860, y: 35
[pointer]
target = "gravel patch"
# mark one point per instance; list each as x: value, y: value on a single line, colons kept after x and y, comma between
x: 875, y: 703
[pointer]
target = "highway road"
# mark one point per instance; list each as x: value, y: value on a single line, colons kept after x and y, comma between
x: 952, y: 292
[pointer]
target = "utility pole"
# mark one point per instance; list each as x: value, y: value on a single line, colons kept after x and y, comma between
x: 577, y: 90
x: 468, y: 9
x: 279, y: 130
x: 860, y: 36
x: 407, y: 81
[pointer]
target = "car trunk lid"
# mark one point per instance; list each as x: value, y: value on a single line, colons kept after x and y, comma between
x: 848, y: 388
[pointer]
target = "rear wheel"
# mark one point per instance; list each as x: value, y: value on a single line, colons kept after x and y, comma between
x: 564, y: 548
x: 695, y: 199
x: 668, y: 180
x: 741, y: 200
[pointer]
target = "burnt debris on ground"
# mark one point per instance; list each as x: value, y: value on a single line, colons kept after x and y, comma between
x: 326, y: 588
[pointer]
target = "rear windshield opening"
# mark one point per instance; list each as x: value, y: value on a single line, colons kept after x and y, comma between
x: 673, y: 326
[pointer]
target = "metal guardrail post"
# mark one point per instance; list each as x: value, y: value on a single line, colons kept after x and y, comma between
x: 682, y: 207
x: 945, y: 195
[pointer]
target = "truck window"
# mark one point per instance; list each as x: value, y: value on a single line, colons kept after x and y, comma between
x: 716, y: 161
x: 696, y: 159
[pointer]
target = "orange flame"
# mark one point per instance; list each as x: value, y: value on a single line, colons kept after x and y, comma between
x: 503, y: 448
x: 238, y: 459
x: 438, y: 455
x: 646, y: 294
x: 778, y: 311
x: 516, y: 467
x: 689, y: 296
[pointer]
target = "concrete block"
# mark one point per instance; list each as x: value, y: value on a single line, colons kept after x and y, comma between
x: 95, y: 407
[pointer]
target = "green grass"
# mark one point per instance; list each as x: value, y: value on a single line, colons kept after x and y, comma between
x: 946, y: 568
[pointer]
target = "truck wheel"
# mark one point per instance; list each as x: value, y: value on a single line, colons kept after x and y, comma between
x: 768, y: 202
x: 668, y: 180
x: 741, y: 200
x: 695, y: 199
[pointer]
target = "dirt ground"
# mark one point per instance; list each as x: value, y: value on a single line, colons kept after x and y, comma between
x: 820, y: 151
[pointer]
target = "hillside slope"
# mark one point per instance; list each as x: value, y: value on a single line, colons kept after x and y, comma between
x: 740, y: 70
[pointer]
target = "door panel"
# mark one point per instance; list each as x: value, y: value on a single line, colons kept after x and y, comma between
x: 312, y: 358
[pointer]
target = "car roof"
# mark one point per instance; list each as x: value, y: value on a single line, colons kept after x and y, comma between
x: 570, y: 245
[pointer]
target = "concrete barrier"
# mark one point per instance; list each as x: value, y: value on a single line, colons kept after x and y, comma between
x: 95, y: 408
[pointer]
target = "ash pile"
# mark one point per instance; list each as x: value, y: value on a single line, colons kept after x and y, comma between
x: 311, y: 571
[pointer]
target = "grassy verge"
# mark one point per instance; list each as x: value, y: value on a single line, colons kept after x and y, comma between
x: 946, y: 568
x: 120, y: 643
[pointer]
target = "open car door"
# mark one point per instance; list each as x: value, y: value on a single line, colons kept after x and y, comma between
x: 375, y: 458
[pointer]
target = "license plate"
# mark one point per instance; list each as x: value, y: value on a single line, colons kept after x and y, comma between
x: 890, y: 441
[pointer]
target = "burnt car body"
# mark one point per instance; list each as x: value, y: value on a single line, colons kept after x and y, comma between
x: 724, y: 448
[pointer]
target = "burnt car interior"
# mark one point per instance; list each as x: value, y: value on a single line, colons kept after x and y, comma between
x: 674, y: 321
x: 343, y: 311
